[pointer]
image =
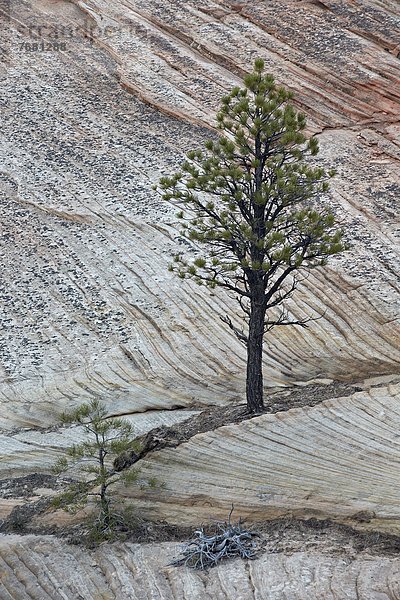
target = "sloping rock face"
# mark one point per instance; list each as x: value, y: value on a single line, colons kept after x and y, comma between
x: 337, y: 459
x: 89, y: 307
x: 45, y: 568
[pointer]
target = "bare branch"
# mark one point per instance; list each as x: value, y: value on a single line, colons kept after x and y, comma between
x: 284, y: 319
x: 238, y: 332
x: 229, y: 541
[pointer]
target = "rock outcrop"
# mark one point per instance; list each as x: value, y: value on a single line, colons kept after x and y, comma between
x: 29, y: 450
x: 336, y: 459
x: 89, y: 307
x: 112, y: 100
x: 44, y: 568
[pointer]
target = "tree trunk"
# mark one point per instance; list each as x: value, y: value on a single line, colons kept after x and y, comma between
x: 254, y: 380
x: 104, y: 501
x: 104, y: 508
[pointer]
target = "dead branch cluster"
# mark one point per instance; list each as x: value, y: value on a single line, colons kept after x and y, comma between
x: 205, y: 551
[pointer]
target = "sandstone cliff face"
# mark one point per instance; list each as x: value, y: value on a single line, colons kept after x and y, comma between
x: 33, y: 568
x: 336, y: 459
x: 89, y: 308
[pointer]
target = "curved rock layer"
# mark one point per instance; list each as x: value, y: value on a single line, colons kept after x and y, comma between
x: 34, y: 568
x: 182, y: 56
x: 337, y: 459
x: 88, y: 305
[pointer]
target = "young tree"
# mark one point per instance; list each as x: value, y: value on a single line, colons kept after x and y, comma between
x: 108, y: 437
x: 254, y: 201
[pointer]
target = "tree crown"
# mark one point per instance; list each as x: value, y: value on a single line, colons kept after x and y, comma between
x: 253, y: 197
x: 107, y: 437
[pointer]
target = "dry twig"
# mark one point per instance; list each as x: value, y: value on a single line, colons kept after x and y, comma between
x: 230, y: 540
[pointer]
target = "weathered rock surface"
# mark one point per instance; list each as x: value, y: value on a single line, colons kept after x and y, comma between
x: 89, y: 307
x: 337, y: 459
x: 44, y: 568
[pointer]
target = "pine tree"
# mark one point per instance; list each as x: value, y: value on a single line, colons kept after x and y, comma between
x: 107, y: 438
x: 255, y: 203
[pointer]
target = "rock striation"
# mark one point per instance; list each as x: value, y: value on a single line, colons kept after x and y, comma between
x: 337, y: 459
x: 43, y: 567
x: 89, y: 307
x: 30, y: 450
x: 112, y: 101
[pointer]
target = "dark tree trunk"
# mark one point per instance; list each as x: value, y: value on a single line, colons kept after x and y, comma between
x: 254, y: 380
x: 104, y: 501
x: 104, y: 509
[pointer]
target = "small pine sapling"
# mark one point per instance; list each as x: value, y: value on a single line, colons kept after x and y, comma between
x: 107, y: 438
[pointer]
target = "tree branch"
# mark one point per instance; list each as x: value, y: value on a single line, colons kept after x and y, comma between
x: 239, y: 333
